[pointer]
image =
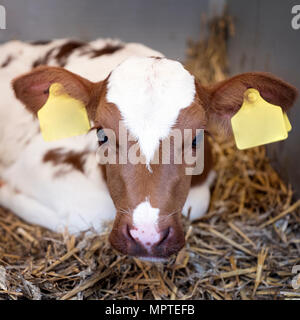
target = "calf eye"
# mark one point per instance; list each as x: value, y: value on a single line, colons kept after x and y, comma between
x: 102, y: 138
x: 198, y: 139
x: 194, y: 143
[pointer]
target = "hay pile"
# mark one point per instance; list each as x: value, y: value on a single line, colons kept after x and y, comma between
x: 244, y: 248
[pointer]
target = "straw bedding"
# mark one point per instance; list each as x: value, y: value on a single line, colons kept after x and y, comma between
x: 244, y: 248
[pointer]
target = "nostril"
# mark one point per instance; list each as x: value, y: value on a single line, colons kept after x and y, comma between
x: 164, y: 236
x: 127, y: 234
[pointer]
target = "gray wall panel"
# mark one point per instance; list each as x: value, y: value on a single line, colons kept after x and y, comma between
x: 265, y: 41
x: 164, y: 25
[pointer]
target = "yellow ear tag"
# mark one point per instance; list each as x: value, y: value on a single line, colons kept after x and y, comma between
x: 62, y: 116
x: 258, y: 122
x: 287, y: 122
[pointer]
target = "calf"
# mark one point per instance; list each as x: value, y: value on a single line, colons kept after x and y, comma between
x: 60, y: 184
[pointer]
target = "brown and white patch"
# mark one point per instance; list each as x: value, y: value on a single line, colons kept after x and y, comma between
x: 150, y: 93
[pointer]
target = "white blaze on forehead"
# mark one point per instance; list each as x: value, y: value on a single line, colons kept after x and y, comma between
x: 150, y: 93
x: 145, y: 221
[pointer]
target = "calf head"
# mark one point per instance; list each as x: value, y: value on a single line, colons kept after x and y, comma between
x: 149, y: 97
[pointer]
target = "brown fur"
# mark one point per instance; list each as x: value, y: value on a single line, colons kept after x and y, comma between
x: 58, y: 156
x: 7, y: 62
x: 108, y: 49
x: 64, y: 51
x: 40, y: 42
x: 44, y: 60
x: 33, y: 88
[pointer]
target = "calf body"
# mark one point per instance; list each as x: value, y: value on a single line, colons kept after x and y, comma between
x: 61, y: 185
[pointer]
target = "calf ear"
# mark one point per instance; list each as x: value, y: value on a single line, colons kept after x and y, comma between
x: 33, y: 88
x: 226, y: 97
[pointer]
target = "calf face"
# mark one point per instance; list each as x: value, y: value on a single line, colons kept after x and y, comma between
x: 149, y: 97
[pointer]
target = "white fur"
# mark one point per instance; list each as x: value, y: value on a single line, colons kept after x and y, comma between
x: 76, y: 200
x: 97, y: 69
x: 145, y: 220
x: 198, y: 198
x: 150, y: 93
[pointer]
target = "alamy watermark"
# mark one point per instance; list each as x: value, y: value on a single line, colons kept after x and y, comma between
x: 2, y: 18
x: 295, y: 22
x: 180, y: 147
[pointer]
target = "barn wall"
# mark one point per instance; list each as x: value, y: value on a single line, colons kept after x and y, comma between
x: 266, y: 41
x: 164, y: 25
